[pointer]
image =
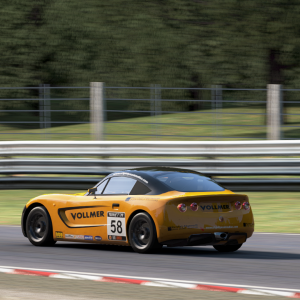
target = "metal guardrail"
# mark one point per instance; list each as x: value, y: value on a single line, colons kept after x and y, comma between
x: 17, y: 160
x: 150, y: 148
x: 285, y: 167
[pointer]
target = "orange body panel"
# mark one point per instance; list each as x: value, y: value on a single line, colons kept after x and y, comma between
x: 105, y: 219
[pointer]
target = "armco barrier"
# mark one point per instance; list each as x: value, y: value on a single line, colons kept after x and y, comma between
x: 103, y: 157
x: 151, y: 148
x: 254, y: 167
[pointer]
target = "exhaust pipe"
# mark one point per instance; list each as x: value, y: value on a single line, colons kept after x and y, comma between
x: 221, y: 236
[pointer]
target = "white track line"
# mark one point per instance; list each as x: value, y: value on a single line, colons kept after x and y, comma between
x: 165, y: 280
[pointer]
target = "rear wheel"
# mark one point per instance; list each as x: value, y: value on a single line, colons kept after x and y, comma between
x: 142, y: 234
x: 227, y: 248
x: 39, y: 227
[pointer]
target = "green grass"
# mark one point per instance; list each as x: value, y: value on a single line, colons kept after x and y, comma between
x: 276, y: 211
x: 207, y: 125
x: 12, y: 203
x: 273, y: 212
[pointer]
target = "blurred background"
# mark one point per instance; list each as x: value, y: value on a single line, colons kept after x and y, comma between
x: 181, y: 70
x: 200, y: 70
x: 91, y: 87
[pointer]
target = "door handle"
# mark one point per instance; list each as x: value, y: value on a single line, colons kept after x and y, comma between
x: 115, y: 205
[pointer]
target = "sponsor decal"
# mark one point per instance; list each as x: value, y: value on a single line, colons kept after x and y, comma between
x: 115, y: 215
x: 69, y: 236
x: 132, y: 175
x: 219, y: 227
x: 117, y: 238
x: 183, y: 227
x: 98, y: 238
x: 87, y: 214
x: 141, y: 198
x: 88, y: 237
x: 248, y: 224
x: 214, y: 207
x: 74, y: 237
x: 59, y: 235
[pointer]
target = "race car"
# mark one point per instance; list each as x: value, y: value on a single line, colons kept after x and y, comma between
x: 144, y: 208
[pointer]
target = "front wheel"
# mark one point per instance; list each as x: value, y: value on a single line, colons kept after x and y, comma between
x: 227, y: 248
x: 39, y: 227
x: 142, y: 234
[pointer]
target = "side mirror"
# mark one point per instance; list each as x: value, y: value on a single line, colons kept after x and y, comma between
x: 92, y: 191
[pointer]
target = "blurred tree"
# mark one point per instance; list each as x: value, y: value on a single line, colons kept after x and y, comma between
x: 183, y: 43
x: 22, y: 41
x: 258, y: 42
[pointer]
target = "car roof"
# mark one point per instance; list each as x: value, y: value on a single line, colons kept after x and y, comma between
x: 145, y: 175
x: 152, y: 171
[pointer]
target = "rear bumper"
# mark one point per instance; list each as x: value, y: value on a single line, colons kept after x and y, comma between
x: 205, y: 239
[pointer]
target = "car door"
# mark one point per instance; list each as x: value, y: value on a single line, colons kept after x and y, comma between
x: 85, y: 219
x: 113, y: 194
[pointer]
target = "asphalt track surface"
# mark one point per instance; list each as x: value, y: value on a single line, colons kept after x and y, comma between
x: 265, y: 260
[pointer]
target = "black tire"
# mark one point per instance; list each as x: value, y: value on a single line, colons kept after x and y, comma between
x: 39, y: 227
x: 142, y: 234
x: 227, y: 248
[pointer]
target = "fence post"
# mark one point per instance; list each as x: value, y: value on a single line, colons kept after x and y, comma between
x: 157, y: 107
x: 273, y: 111
x: 219, y: 96
x: 41, y: 106
x: 217, y: 104
x: 45, y: 108
x: 213, y: 97
x: 153, y: 107
x: 96, y: 110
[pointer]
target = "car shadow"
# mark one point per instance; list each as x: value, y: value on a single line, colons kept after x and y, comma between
x: 201, y: 252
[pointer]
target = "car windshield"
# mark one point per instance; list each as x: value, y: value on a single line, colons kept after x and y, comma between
x: 188, y: 182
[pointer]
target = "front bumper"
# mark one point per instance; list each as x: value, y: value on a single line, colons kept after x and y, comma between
x: 205, y: 239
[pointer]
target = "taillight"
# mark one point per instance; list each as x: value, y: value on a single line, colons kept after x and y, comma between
x: 246, y: 205
x: 181, y: 207
x: 194, y: 206
x: 238, y: 205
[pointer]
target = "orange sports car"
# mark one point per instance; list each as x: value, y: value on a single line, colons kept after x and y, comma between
x: 144, y: 208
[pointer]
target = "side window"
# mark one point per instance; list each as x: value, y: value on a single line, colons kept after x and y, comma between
x: 139, y: 189
x: 100, y: 187
x: 119, y: 185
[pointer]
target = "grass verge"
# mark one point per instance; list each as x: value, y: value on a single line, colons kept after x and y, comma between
x: 273, y: 211
x: 12, y: 203
x: 202, y: 125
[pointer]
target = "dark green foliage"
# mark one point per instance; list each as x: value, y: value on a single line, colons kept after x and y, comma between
x: 179, y: 43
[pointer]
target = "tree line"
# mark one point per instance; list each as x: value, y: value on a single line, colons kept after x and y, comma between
x: 178, y: 43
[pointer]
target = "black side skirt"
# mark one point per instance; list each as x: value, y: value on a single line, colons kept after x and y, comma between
x: 204, y: 239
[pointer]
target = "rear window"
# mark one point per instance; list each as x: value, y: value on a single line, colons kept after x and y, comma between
x: 188, y: 182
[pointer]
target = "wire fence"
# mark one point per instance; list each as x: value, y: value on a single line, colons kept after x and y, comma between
x: 145, y: 113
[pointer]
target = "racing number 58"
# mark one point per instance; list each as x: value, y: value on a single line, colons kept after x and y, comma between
x: 115, y: 228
